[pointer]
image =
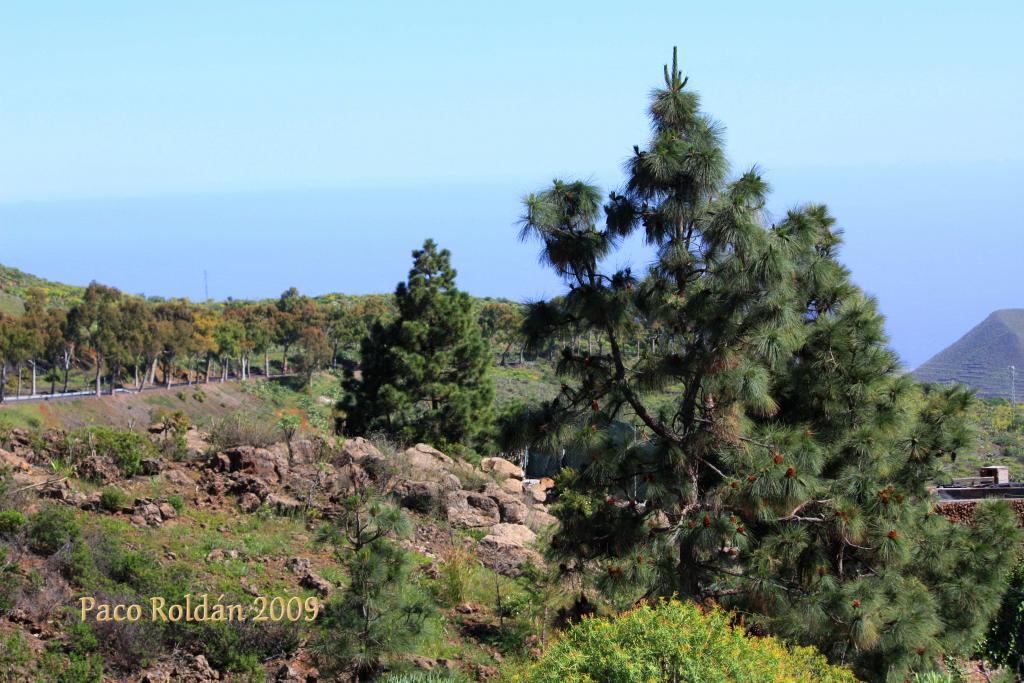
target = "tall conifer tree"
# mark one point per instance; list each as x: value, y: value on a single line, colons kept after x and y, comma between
x: 787, y: 473
x: 425, y: 375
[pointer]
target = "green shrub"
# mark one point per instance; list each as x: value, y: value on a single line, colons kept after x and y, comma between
x: 51, y: 529
x: 80, y: 638
x: 11, y: 522
x: 455, y: 577
x: 55, y: 667
x: 1004, y: 642
x: 176, y: 502
x: 175, y: 425
x: 10, y: 582
x: 14, y: 656
x: 419, y: 677
x: 243, y: 430
x: 674, y: 641
x: 126, y: 449
x: 112, y: 499
x: 241, y: 647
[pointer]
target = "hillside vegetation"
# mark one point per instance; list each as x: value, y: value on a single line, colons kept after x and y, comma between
x: 15, y: 286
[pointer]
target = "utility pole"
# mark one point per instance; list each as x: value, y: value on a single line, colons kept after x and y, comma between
x: 1013, y: 393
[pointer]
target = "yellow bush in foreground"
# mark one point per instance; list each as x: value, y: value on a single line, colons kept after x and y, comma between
x: 674, y: 642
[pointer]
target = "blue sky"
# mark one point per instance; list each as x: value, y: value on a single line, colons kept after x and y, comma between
x: 318, y: 143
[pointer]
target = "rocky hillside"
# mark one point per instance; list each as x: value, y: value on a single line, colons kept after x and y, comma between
x: 240, y: 520
x: 981, y: 358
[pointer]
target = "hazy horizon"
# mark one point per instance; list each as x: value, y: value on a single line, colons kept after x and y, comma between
x: 317, y: 145
x: 358, y: 241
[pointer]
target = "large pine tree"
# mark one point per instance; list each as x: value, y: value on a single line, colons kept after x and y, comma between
x: 425, y: 375
x: 766, y: 450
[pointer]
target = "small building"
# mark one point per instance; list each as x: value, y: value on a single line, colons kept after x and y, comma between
x: 999, y: 474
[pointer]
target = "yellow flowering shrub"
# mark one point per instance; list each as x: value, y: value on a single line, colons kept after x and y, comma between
x: 674, y: 642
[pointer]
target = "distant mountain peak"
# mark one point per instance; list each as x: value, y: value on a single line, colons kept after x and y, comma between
x: 981, y: 358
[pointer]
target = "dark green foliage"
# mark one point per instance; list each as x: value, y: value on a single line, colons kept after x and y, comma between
x: 55, y: 667
x: 10, y: 582
x: 1004, y: 643
x: 11, y: 523
x: 112, y: 499
x: 244, y: 647
x: 420, y: 677
x: 425, y: 375
x: 379, y: 613
x: 787, y: 472
x: 52, y: 528
x: 78, y: 661
x: 15, y: 656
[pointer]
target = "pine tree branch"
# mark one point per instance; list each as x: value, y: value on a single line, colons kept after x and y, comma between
x: 793, y: 517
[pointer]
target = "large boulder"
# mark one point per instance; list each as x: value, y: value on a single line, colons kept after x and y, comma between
x: 283, y: 505
x: 358, y: 449
x: 512, y: 486
x: 14, y: 462
x: 540, y: 520
x: 500, y: 467
x: 305, y: 451
x: 421, y: 496
x: 468, y: 509
x: 517, y: 534
x: 505, y: 549
x: 511, y: 509
x: 196, y: 443
x: 99, y: 469
x: 262, y: 463
x: 346, y: 480
x: 315, y: 582
x: 178, y: 476
x: 426, y: 462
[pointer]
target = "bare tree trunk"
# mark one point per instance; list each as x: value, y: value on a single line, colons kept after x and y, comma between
x: 67, y: 368
x: 33, y: 363
x: 504, y: 354
x: 207, y: 368
x: 99, y: 368
x: 168, y: 373
x: 3, y: 380
x: 266, y: 363
x: 284, y: 361
x: 19, y: 380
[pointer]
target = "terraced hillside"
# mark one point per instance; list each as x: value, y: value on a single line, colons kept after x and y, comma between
x: 982, y: 357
